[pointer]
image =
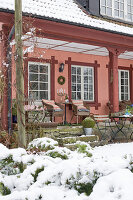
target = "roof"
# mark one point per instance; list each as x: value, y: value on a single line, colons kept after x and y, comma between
x: 67, y: 11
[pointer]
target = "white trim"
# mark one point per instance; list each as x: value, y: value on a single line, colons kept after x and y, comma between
x: 82, y: 81
x: 125, y: 17
x: 40, y: 63
x: 119, y: 78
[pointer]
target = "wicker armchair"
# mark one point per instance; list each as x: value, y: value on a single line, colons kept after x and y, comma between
x: 80, y: 109
x: 53, y: 109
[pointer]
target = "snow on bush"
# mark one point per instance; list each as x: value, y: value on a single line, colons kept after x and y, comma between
x: 101, y: 173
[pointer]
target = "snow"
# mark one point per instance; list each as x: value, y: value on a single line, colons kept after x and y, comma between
x: 66, y: 10
x: 110, y: 166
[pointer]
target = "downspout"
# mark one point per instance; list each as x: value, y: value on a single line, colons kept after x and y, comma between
x: 9, y: 96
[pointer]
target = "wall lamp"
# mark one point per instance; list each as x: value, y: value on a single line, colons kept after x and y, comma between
x: 61, y: 68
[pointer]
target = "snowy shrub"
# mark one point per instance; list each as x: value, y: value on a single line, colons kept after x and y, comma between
x: 59, y: 152
x: 4, y: 190
x: 35, y: 175
x: 42, y: 144
x: 83, y: 147
x: 9, y: 167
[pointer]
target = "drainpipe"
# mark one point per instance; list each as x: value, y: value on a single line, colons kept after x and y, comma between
x: 9, y: 62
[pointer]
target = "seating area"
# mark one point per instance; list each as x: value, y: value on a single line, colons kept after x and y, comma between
x: 107, y: 126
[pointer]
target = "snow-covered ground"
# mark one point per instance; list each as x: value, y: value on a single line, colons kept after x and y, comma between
x: 48, y: 172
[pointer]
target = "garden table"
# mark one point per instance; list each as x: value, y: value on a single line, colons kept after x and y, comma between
x: 120, y: 124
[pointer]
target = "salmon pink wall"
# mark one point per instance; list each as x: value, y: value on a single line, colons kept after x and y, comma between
x: 103, y: 93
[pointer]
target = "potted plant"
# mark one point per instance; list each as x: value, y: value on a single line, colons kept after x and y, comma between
x: 88, y: 124
x: 14, y: 111
x: 66, y: 98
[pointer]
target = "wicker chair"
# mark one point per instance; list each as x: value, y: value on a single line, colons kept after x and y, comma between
x: 80, y: 109
x: 53, y: 109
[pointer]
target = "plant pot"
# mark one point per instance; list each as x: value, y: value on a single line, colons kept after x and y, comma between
x: 67, y: 100
x: 88, y: 131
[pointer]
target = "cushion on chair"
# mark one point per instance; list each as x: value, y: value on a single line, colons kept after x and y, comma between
x: 52, y: 103
x: 80, y: 105
x: 82, y: 109
x: 77, y: 102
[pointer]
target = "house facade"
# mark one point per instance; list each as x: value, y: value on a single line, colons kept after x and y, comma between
x: 92, y: 40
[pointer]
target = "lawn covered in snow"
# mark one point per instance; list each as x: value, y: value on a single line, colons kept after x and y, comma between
x: 48, y: 172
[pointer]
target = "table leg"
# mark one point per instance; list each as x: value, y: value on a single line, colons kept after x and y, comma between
x: 65, y: 115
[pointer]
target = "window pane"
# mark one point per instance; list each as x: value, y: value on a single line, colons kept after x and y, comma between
x: 33, y: 86
x: 126, y: 89
x: 33, y: 94
x: 103, y: 2
x: 128, y: 1
x: 44, y: 77
x: 116, y: 5
x: 73, y: 79
x: 109, y: 11
x: 85, y: 79
x: 122, y: 74
x: 78, y: 95
x: 109, y: 3
x: 129, y: 16
x: 126, y: 97
x: 86, y: 96
x: 122, y: 88
x: 73, y: 87
x: 33, y: 68
x: 78, y: 71
x: 121, y: 6
x: 33, y: 77
x: 85, y: 87
x: 43, y: 69
x: 43, y: 86
x: 73, y: 70
x: 122, y: 14
x: 103, y: 10
x: 116, y: 13
x: 122, y: 81
x: 78, y: 87
x: 126, y: 74
x: 43, y: 94
x: 78, y: 79
x: 86, y: 71
x: 129, y: 9
x: 90, y: 96
x: 73, y: 95
x: 126, y: 81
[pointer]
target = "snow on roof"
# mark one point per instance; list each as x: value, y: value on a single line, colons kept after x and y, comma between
x: 66, y: 10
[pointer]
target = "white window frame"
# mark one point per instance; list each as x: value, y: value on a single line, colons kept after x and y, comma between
x: 40, y: 63
x: 82, y: 81
x: 119, y: 74
x: 125, y: 17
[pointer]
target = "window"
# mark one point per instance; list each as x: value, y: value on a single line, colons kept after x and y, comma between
x: 82, y: 83
x: 39, y: 81
x: 124, y: 90
x: 122, y: 9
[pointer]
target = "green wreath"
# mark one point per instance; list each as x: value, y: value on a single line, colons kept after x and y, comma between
x: 61, y: 80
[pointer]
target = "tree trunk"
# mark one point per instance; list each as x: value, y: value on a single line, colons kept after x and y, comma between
x: 19, y: 74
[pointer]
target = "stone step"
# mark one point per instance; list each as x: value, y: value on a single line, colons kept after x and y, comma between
x: 92, y: 144
x: 71, y: 140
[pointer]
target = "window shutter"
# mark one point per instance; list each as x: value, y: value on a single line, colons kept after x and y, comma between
x: 94, y: 7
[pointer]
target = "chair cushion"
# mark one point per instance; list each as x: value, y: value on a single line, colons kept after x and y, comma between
x: 52, y: 103
x: 77, y: 102
x: 82, y: 109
